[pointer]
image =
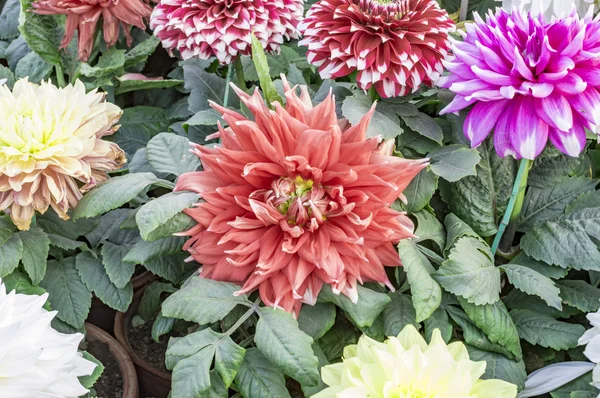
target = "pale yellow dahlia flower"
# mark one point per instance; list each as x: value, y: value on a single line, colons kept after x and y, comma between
x: 407, y: 367
x: 51, y: 147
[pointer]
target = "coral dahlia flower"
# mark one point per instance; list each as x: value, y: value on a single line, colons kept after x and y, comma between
x: 295, y: 199
x: 83, y: 15
x: 406, y: 366
x: 550, y: 8
x: 51, y: 147
x: 529, y: 80
x: 223, y: 28
x: 36, y: 361
x: 393, y: 44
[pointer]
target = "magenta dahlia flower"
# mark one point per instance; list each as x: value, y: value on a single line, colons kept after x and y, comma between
x: 394, y: 44
x: 530, y: 80
x: 223, y: 28
x: 296, y: 198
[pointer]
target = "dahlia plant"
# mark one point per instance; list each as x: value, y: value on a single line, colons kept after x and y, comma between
x: 549, y: 8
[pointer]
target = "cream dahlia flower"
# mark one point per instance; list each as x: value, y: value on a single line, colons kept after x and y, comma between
x: 407, y: 367
x: 36, y: 361
x: 51, y: 147
x: 591, y: 340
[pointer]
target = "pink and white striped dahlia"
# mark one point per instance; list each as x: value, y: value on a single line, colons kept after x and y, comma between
x: 223, y: 28
x: 530, y: 81
x: 295, y: 199
x: 394, y: 44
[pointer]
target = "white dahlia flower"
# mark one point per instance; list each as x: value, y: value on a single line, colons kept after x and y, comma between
x: 550, y: 8
x: 36, y: 361
x: 591, y: 340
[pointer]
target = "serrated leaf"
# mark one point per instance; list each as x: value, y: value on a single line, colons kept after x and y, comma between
x: 543, y: 330
x: 109, y: 62
x: 384, y: 122
x: 64, y: 243
x: 438, y: 320
x: 35, y: 253
x: 159, y: 211
x: 142, y: 51
x: 228, y: 358
x: 316, y: 320
x: 21, y: 283
x: 9, y: 19
x: 108, y: 228
x: 430, y: 228
x: 151, y: 300
x: 542, y: 204
x: 280, y: 340
x: 500, y: 367
x: 142, y: 252
x: 94, y: 275
x: 454, y: 162
x: 68, y: 294
x: 191, y: 375
x: 516, y: 299
x: 456, y: 228
x: 580, y: 294
x: 126, y: 86
x: 170, y: 153
x: 11, y: 247
x: 420, y: 190
x: 33, y: 67
x: 89, y: 381
x: 363, y: 313
x: 422, y: 124
x: 119, y: 271
x: 426, y: 293
x: 205, y: 87
x: 531, y: 282
x: 398, y: 313
x: 549, y: 271
x: 551, y: 167
x: 51, y: 223
x: 112, y: 194
x: 259, y: 378
x: 495, y: 321
x: 138, y: 125
x: 169, y: 267
x: 470, y: 272
x: 161, y: 326
x: 203, y: 301
x: 584, y: 201
x: 41, y: 32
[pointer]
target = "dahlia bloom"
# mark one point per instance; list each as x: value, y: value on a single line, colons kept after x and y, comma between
x: 591, y: 340
x: 550, y: 8
x: 36, y: 361
x: 51, y: 147
x: 407, y: 366
x: 83, y: 15
x: 295, y: 199
x: 530, y: 81
x: 223, y: 28
x: 394, y: 44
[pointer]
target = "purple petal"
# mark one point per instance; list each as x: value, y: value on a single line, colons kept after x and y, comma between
x: 556, y: 111
x: 571, y: 84
x: 570, y: 142
x: 590, y: 75
x: 481, y: 120
x: 587, y: 105
x: 520, y: 69
x: 469, y: 87
x: 458, y: 103
x: 491, y: 77
x: 504, y: 127
x: 531, y: 133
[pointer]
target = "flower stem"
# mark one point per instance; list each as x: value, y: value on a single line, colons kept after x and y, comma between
x: 253, y: 308
x: 373, y: 94
x: 239, y: 69
x: 513, y: 210
x: 60, y: 77
x: 227, y: 81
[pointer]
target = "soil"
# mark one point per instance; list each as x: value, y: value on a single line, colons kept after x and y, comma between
x: 147, y: 349
x: 110, y: 384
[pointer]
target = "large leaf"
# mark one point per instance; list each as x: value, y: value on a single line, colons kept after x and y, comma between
x: 110, y: 62
x: 420, y: 190
x: 259, y: 378
x: 500, y: 367
x: 41, y: 32
x: 171, y: 267
x: 426, y: 293
x: 151, y: 300
x: 170, y: 153
x: 316, y: 320
x: 119, y: 271
x: 469, y: 272
x: 9, y: 19
x: 532, y: 282
x: 280, y: 340
x: 203, y: 301
x: 205, y: 86
x: 159, y: 211
x: 543, y: 330
x: 94, y: 275
x: 550, y: 271
x: 368, y: 306
x: 138, y: 125
x: 36, y: 245
x: 68, y: 294
x: 384, y: 121
x: 566, y: 240
x: 580, y: 294
x: 454, y: 162
x: 112, y: 194
x: 11, y: 247
x: 143, y: 252
x: 456, y: 228
x: 430, y: 228
x: 398, y: 314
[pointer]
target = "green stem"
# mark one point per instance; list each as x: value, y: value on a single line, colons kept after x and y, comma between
x: 513, y: 211
x: 239, y: 70
x: 243, y: 319
x: 227, y: 81
x: 373, y: 94
x: 60, y: 77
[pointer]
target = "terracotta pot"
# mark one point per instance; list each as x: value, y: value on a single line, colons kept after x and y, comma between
x: 142, y: 280
x: 130, y: 380
x: 153, y: 382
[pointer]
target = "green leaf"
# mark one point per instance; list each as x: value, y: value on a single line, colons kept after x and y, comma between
x: 119, y: 271
x: 337, y: 339
x: 151, y: 301
x: 108, y: 228
x: 259, y: 59
x: 89, y: 381
x: 169, y: 267
x: 170, y: 153
x: 94, y: 275
x: 420, y: 190
x: 161, y: 326
x: 9, y: 19
x: 126, y: 86
x: 64, y: 243
x: 316, y: 320
x: 228, y: 358
x: 430, y: 228
x: 500, y: 367
x: 68, y: 294
x: 584, y: 201
x: 549, y: 271
x: 426, y: 293
x: 438, y: 320
x: 398, y: 314
x: 206, y: 117
x: 495, y: 321
x: 363, y: 313
x: 580, y: 294
x: 35, y: 253
x: 542, y: 204
x: 456, y: 228
x: 141, y: 52
x: 310, y: 391
x: 138, y: 125
x: 531, y: 282
x: 422, y: 124
x: 142, y: 252
x: 33, y: 67
x: 454, y: 162
x: 565, y: 240
x: 259, y: 378
x: 41, y: 32
x: 551, y: 167
x: 159, y: 211
x: 516, y: 299
x: 112, y: 194
x: 205, y: 87
x: 21, y: 283
x: 280, y: 340
x: 109, y: 62
x: 203, y: 301
x: 51, y: 223
x: 7, y: 74
x: 469, y: 272
x: 384, y: 121
x: 11, y: 247
x: 543, y: 330
x: 178, y: 223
